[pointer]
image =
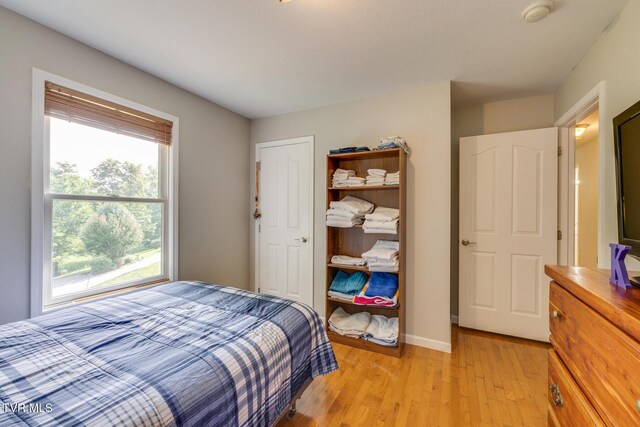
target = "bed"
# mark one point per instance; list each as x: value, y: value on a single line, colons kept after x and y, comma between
x: 181, y: 353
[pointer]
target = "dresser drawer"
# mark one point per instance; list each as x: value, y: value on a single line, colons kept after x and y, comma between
x: 604, y: 361
x: 568, y: 406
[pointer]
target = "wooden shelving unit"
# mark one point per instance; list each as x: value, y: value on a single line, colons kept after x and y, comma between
x: 354, y: 241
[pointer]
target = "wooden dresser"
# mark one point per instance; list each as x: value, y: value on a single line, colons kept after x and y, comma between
x: 594, y: 365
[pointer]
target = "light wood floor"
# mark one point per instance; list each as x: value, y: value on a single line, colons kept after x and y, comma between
x: 486, y: 380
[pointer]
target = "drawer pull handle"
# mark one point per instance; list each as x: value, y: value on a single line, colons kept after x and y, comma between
x: 638, y: 405
x: 556, y: 314
x: 557, y: 397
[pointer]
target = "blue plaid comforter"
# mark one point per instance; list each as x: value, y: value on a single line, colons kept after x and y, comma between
x: 183, y: 353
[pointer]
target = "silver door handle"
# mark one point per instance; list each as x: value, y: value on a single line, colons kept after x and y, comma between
x: 302, y: 239
x: 465, y: 242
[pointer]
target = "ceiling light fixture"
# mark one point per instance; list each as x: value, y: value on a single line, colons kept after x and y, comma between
x: 537, y: 11
x: 580, y: 129
x: 283, y: 1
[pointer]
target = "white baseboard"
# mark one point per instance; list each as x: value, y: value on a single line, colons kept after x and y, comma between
x: 428, y: 343
x: 454, y: 319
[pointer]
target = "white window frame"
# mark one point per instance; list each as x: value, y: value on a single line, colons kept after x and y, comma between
x: 42, y: 200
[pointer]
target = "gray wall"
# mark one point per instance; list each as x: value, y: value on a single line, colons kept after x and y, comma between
x: 495, y: 117
x: 213, y: 158
x: 613, y: 59
x: 422, y: 117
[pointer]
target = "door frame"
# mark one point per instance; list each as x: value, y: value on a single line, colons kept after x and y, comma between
x: 310, y: 142
x: 595, y: 98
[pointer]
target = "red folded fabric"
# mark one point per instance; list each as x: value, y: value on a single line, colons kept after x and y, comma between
x: 361, y: 299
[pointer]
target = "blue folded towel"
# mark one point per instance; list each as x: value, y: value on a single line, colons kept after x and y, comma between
x: 348, y: 284
x: 345, y: 150
x: 382, y: 285
x: 342, y: 150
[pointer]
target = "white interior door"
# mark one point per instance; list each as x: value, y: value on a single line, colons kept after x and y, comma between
x: 284, y: 246
x: 508, y: 231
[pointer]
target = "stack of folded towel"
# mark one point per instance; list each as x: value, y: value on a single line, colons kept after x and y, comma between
x: 341, y: 176
x: 347, y: 212
x: 342, y: 219
x: 355, y: 181
x: 345, y: 286
x: 377, y: 329
x: 383, y: 256
x: 382, y: 330
x: 376, y: 176
x: 392, y: 178
x: 382, y: 220
x: 353, y: 326
x: 347, y: 260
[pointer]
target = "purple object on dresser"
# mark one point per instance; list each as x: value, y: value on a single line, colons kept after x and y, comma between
x: 619, y: 275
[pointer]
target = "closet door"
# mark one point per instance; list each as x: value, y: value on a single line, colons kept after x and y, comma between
x: 508, y: 231
x: 284, y: 246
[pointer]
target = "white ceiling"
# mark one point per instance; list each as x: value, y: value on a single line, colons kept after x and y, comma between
x: 261, y: 58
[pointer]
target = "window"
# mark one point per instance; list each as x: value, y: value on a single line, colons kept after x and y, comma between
x: 107, y: 197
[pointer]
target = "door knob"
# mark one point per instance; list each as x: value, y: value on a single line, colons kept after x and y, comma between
x: 302, y: 239
x: 465, y: 242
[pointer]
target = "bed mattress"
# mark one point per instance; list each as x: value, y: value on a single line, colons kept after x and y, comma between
x: 182, y: 353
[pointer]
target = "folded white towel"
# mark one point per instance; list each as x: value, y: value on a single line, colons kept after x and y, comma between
x: 378, y: 172
x: 383, y: 214
x: 343, y: 222
x: 383, y: 256
x: 380, y: 262
x: 341, y: 322
x: 380, y: 253
x: 387, y: 244
x: 381, y: 225
x: 379, y: 231
x: 384, y: 269
x: 382, y: 327
x: 343, y: 214
x: 340, y: 295
x: 353, y: 204
x: 392, y: 178
x: 349, y: 172
x: 384, y: 266
x: 347, y: 260
x: 355, y: 181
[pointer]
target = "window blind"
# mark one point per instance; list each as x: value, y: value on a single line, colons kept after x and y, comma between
x: 71, y: 105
